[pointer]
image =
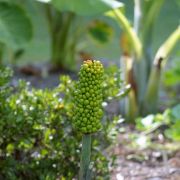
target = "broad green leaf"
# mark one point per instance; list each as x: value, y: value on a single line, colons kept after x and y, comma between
x: 86, y: 7
x: 15, y: 26
x: 100, y: 31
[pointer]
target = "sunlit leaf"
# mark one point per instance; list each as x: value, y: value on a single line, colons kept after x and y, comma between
x: 174, y: 131
x: 86, y: 7
x: 15, y: 26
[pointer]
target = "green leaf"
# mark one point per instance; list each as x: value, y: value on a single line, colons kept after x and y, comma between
x: 172, y: 76
x: 174, y: 131
x: 86, y: 7
x: 15, y: 26
x: 145, y: 123
x: 100, y: 31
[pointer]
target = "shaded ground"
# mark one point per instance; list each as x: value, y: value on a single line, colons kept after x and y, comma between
x: 38, y: 76
x: 129, y: 170
x: 152, y: 163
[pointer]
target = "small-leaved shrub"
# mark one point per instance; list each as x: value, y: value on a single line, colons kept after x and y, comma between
x: 167, y: 122
x: 37, y: 140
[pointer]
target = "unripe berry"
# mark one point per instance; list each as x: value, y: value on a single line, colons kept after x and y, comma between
x: 88, y: 97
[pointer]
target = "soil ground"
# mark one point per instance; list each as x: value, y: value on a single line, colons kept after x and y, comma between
x: 146, y: 164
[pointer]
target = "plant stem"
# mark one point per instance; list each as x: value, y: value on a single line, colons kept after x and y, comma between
x: 137, y: 15
x: 151, y: 97
x: 60, y: 40
x: 167, y: 47
x: 150, y: 16
x: 123, y: 21
x: 141, y: 65
x: 49, y: 16
x: 85, y: 157
x: 132, y: 108
x: 148, y: 50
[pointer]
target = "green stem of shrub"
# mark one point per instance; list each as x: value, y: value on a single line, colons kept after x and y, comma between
x: 85, y: 157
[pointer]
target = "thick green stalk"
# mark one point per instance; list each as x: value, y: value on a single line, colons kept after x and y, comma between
x: 132, y: 108
x: 147, y: 48
x: 60, y: 41
x: 151, y: 97
x: 166, y: 48
x: 150, y: 15
x: 59, y: 26
x: 85, y: 157
x: 151, y: 11
x: 123, y: 21
x: 49, y: 16
x: 137, y: 16
x: 139, y: 67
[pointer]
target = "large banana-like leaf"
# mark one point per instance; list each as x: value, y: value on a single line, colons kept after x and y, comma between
x: 15, y: 26
x: 86, y: 7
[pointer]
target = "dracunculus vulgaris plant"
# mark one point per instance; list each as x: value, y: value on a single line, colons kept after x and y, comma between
x: 140, y: 69
x: 88, y: 109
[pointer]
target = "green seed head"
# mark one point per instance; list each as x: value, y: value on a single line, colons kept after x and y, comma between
x: 88, y: 97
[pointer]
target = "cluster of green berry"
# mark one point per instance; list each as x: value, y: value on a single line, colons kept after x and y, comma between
x: 88, y: 97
